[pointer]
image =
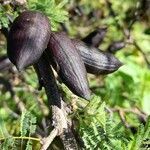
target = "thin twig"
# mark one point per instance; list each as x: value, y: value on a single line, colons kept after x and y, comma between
x: 67, y: 137
x: 19, y: 103
x: 141, y: 51
x: 122, y: 112
x: 48, y: 140
x: 122, y: 117
x: 10, y: 111
x: 133, y: 42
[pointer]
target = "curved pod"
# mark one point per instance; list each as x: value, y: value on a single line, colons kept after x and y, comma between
x: 70, y: 66
x: 96, y: 61
x: 28, y: 38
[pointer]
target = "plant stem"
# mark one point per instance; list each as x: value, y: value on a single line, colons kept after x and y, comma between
x: 59, y: 118
x: 24, y: 138
x: 47, y: 79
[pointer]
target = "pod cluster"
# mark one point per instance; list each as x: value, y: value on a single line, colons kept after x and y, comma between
x: 30, y: 36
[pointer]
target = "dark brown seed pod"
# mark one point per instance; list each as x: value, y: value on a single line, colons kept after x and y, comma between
x: 70, y: 66
x: 28, y: 38
x: 115, y: 46
x: 96, y: 61
x: 96, y: 37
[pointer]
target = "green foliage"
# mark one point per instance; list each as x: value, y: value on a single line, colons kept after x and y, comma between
x: 27, y: 128
x: 55, y: 11
x: 132, y: 83
x: 4, y: 21
x: 97, y: 129
x: 94, y: 112
x: 28, y: 122
x: 28, y: 125
x: 8, y: 144
x: 100, y: 131
x: 127, y: 88
x: 142, y: 137
x: 6, y: 15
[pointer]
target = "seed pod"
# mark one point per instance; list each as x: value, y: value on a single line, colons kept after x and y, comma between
x: 115, y: 46
x: 28, y: 38
x: 70, y: 66
x: 96, y: 37
x: 97, y: 62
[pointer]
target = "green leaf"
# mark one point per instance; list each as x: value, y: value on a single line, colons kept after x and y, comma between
x: 55, y: 12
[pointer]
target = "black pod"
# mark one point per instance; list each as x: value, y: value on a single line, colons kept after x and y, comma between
x: 28, y: 38
x: 70, y: 66
x: 116, y: 46
x: 96, y: 37
x: 96, y: 61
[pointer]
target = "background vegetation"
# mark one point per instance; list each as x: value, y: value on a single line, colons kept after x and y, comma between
x: 117, y: 115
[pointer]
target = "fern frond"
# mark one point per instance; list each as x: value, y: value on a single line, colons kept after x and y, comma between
x: 8, y: 144
x: 55, y: 12
x: 24, y: 123
x: 142, y: 137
